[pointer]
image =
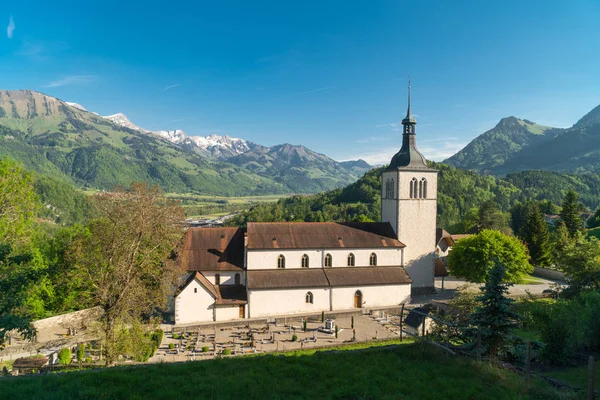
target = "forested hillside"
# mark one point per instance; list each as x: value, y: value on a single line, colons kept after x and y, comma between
x: 459, y: 192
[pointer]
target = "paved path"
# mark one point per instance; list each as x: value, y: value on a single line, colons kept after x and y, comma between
x: 451, y: 284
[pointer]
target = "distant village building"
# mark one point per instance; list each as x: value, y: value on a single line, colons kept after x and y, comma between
x: 277, y: 269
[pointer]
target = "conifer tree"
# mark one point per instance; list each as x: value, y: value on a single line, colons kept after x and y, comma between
x: 493, y: 317
x: 570, y: 213
x: 536, y: 235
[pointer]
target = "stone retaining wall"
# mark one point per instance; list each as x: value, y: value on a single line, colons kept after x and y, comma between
x: 548, y: 273
x: 76, y: 319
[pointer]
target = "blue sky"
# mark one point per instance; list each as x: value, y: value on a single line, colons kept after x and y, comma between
x: 330, y: 75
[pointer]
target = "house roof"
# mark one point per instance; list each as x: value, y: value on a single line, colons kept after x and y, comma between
x: 318, y: 235
x: 286, y: 278
x: 440, y: 268
x: 203, y: 281
x: 213, y: 249
x: 353, y: 276
x: 231, y: 295
x: 33, y: 363
x: 328, y: 277
x: 459, y: 236
x: 442, y: 234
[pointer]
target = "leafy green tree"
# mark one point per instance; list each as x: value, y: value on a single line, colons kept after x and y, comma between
x: 580, y: 261
x: 494, y: 317
x: 536, y: 235
x: 126, y: 263
x: 570, y: 213
x: 473, y: 257
x: 489, y: 217
x: 594, y: 221
x: 64, y: 356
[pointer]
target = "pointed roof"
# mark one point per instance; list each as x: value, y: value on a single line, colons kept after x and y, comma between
x: 409, y: 119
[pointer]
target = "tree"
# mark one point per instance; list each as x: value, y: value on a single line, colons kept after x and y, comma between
x: 473, y: 257
x: 489, y: 217
x: 594, y: 221
x: 18, y: 205
x: 127, y: 262
x: 494, y: 317
x: 64, y: 356
x: 570, y: 213
x: 535, y: 233
x: 580, y: 261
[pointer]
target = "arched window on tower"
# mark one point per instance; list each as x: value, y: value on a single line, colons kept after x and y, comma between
x: 373, y: 260
x: 305, y: 261
x: 391, y: 196
x: 421, y: 189
x: 351, y: 260
x: 424, y: 183
x: 413, y: 188
x: 309, y: 297
x: 328, y: 260
x: 281, y: 261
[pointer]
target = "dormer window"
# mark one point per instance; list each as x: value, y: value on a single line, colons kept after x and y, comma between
x: 281, y: 261
x: 305, y: 261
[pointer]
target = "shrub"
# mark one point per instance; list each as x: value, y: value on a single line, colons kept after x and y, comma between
x: 294, y: 337
x: 176, y: 336
x: 304, y: 325
x: 227, y: 352
x: 80, y: 353
x: 205, y: 349
x: 322, y: 316
x: 64, y: 356
x: 171, y: 346
x: 88, y: 359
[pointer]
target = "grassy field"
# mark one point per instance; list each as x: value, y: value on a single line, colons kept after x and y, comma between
x: 576, y: 376
x: 409, y: 371
x: 206, y: 206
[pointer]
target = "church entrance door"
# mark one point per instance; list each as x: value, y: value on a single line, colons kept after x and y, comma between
x: 358, y: 299
x: 242, y: 311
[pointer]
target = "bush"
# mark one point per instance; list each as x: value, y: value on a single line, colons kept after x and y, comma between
x: 88, y: 359
x: 176, y: 336
x: 294, y: 337
x: 227, y: 352
x: 171, y: 346
x: 64, y: 356
x: 80, y: 353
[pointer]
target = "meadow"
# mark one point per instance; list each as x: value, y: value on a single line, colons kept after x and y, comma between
x: 384, y: 370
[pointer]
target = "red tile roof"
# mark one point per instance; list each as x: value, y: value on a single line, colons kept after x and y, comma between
x: 286, y: 278
x: 440, y: 268
x: 213, y: 249
x: 364, y: 276
x: 203, y: 281
x: 317, y: 235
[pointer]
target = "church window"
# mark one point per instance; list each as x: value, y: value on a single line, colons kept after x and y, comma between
x: 351, y: 260
x: 414, y: 189
x: 421, y: 189
x: 424, y: 182
x: 389, y: 189
x: 217, y: 279
x: 328, y: 260
x: 373, y: 259
x: 195, y: 290
x: 237, y: 279
x: 281, y: 261
x: 309, y: 297
x: 305, y: 261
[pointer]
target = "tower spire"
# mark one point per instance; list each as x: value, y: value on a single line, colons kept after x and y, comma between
x: 408, y: 113
x: 409, y: 121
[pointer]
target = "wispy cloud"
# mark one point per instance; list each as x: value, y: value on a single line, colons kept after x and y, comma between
x: 315, y: 90
x: 432, y: 149
x: 40, y: 51
x: 181, y: 119
x: 374, y: 139
x: 72, y: 80
x: 11, y: 27
x: 171, y: 87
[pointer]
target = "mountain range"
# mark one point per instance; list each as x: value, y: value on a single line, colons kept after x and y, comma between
x: 64, y: 140
x: 517, y: 145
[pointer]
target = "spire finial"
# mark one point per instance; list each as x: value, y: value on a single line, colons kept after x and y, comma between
x: 409, y: 91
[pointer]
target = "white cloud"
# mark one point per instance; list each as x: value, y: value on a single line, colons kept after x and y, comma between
x: 10, y: 28
x: 315, y: 90
x: 171, y: 87
x: 432, y: 149
x: 72, y: 80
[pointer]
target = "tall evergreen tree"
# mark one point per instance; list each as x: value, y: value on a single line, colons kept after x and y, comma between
x: 494, y: 317
x: 536, y: 235
x: 570, y: 213
x: 489, y: 217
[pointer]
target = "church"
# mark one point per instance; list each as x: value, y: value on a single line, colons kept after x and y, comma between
x: 292, y: 268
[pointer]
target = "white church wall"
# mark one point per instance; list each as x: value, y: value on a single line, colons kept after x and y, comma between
x: 227, y: 313
x: 267, y: 259
x: 226, y: 277
x: 265, y: 303
x: 372, y: 296
x: 385, y: 256
x: 194, y: 304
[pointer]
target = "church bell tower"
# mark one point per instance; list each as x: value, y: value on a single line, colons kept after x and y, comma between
x: 409, y: 204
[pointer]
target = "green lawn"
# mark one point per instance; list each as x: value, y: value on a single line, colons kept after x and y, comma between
x: 410, y: 371
x: 576, y: 376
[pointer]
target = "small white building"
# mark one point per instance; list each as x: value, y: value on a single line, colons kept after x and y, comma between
x: 287, y: 268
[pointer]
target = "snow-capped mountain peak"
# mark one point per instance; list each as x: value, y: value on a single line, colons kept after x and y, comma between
x: 122, y: 120
x: 75, y: 105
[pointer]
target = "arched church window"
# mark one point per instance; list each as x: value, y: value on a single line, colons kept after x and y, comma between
x: 305, y: 261
x: 328, y: 260
x: 424, y: 183
x: 391, y: 196
x: 414, y: 189
x: 421, y: 189
x: 281, y: 261
x: 237, y: 279
x: 373, y: 259
x: 351, y: 260
x: 309, y: 297
x: 217, y: 279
